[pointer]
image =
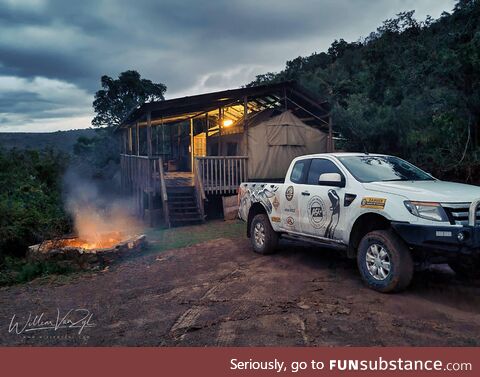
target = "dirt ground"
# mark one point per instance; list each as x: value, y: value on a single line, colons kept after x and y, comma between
x: 219, y: 293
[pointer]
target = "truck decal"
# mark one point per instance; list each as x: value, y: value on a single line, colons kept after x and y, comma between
x: 290, y: 222
x: 289, y: 192
x: 275, y: 202
x: 316, y: 212
x: 257, y: 193
x: 335, y: 217
x: 373, y: 203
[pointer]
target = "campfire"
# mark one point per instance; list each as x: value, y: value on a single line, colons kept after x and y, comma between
x: 81, y: 254
x: 100, y: 241
x: 102, y: 235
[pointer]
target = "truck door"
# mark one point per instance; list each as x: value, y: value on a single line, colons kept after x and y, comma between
x: 290, y: 197
x: 321, y: 200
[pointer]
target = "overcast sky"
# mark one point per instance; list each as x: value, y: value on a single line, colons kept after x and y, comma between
x: 53, y: 52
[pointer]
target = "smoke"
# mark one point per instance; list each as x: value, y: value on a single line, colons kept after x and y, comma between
x: 96, y: 214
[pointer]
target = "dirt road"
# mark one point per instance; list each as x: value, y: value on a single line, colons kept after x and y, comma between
x: 219, y: 293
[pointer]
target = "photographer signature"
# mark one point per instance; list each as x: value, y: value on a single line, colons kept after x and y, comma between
x: 72, y: 319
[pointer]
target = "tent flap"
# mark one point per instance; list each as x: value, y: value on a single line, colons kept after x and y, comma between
x: 275, y: 142
x: 285, y: 134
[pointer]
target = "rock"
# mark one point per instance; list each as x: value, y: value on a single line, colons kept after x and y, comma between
x: 302, y: 305
x: 345, y: 311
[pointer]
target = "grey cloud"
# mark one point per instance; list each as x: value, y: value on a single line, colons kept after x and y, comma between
x: 188, y: 45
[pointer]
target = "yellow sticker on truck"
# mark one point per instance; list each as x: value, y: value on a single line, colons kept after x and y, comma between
x: 373, y: 203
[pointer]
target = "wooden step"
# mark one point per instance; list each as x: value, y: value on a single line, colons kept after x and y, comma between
x: 182, y: 203
x: 180, y: 194
x: 180, y: 190
x: 186, y: 220
x: 183, y: 207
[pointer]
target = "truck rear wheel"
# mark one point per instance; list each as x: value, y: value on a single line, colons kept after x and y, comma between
x: 264, y: 239
x: 384, y: 261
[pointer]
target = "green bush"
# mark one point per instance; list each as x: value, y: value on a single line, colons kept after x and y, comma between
x: 31, y: 207
x: 18, y: 270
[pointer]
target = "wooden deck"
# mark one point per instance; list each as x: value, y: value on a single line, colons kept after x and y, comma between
x: 179, y: 179
x: 144, y: 179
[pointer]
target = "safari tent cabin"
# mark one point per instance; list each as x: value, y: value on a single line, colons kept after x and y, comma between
x: 178, y: 153
x: 270, y: 142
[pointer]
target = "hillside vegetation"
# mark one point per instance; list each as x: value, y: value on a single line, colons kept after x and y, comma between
x: 411, y: 88
x: 63, y: 141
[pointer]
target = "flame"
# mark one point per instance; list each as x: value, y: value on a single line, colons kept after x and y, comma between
x: 100, y: 229
x: 99, y: 221
x: 105, y: 242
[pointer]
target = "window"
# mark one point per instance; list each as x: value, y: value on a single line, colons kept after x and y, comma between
x: 318, y: 167
x: 383, y: 169
x: 297, y: 175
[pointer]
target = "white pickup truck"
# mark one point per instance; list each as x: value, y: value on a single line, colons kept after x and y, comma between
x: 388, y: 214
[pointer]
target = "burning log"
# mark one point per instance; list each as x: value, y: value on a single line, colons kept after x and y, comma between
x: 80, y: 254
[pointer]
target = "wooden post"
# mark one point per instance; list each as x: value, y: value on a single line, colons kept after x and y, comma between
x: 150, y: 168
x: 245, y: 124
x: 220, y: 120
x: 192, y: 153
x: 149, y: 134
x: 206, y: 134
x: 130, y: 140
x: 138, y: 139
x: 179, y: 142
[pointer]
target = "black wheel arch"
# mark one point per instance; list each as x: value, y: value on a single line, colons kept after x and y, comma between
x: 364, y: 224
x: 255, y: 209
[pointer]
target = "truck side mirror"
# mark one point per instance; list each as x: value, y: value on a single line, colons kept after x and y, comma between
x: 331, y: 179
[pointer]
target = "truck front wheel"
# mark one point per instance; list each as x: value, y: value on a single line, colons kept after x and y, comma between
x: 384, y: 261
x: 264, y: 239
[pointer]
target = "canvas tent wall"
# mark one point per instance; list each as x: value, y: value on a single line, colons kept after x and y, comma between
x: 274, y: 143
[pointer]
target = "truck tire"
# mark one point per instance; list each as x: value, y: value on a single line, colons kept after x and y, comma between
x: 384, y: 261
x: 264, y: 239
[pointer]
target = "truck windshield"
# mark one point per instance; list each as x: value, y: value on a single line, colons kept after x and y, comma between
x: 382, y: 169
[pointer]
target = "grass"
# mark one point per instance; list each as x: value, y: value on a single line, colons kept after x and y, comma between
x: 19, y: 270
x: 175, y: 238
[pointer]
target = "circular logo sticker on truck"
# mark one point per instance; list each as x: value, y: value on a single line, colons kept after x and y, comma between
x: 317, y: 212
x: 289, y: 193
x: 290, y: 222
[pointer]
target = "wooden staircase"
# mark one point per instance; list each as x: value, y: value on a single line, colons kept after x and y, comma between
x: 183, y: 206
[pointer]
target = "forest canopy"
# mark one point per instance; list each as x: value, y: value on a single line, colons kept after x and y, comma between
x: 411, y: 88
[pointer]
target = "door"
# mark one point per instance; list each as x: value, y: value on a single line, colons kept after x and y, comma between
x: 321, y: 203
x: 290, y: 197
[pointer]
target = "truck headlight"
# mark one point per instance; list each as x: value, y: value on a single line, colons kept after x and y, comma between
x: 426, y: 210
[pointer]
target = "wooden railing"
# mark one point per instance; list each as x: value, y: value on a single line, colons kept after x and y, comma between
x: 141, y: 176
x: 199, y: 190
x: 222, y: 174
x: 163, y: 193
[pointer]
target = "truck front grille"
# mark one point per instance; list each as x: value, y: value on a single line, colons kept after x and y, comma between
x: 458, y: 213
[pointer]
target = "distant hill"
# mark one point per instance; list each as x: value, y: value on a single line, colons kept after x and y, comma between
x: 60, y: 140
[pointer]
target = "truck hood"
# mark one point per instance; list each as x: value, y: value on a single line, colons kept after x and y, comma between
x: 432, y: 191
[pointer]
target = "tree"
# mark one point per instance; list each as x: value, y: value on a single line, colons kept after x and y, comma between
x: 411, y: 88
x: 119, y: 96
